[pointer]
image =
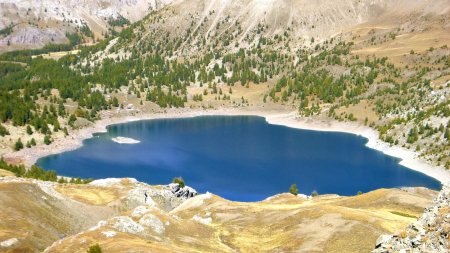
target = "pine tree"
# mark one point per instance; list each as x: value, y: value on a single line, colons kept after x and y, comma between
x: 29, y: 130
x: 47, y: 140
x: 56, y: 125
x: 19, y: 145
x: 293, y: 189
x: 61, y: 108
x: 3, y: 131
x: 72, y: 120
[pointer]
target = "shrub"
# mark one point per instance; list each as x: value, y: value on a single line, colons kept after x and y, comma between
x: 19, y: 145
x: 38, y: 173
x: 47, y: 140
x: 94, y: 249
x: 41, y: 174
x: 3, y: 131
x: 314, y: 193
x: 413, y: 135
x: 179, y: 181
x: 293, y: 189
x: 29, y: 130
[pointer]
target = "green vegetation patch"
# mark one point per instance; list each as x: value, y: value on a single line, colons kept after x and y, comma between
x: 403, y: 214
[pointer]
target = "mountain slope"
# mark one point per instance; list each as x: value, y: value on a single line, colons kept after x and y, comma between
x: 50, y: 211
x: 113, y: 214
x: 246, y: 22
x: 36, y: 23
x: 383, y: 63
x: 380, y: 63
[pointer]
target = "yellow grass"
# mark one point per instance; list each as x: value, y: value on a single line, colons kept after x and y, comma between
x: 5, y: 173
x: 89, y: 195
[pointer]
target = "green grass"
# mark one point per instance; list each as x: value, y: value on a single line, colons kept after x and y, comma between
x: 403, y: 214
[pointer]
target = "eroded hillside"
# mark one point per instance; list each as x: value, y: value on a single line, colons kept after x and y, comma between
x: 114, y: 214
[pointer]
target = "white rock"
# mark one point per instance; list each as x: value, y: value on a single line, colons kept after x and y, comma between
x: 303, y: 196
x: 205, y: 221
x: 8, y: 243
x: 109, y: 234
x: 149, y: 202
x: 110, y: 181
x: 99, y: 224
x: 185, y: 192
x: 137, y: 194
x: 383, y: 239
x: 140, y: 210
x: 127, y: 225
x: 150, y: 220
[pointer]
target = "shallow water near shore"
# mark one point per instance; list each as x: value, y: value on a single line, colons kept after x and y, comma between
x: 241, y: 158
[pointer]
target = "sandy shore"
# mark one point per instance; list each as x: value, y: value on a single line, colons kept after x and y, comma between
x: 75, y: 140
x: 408, y: 158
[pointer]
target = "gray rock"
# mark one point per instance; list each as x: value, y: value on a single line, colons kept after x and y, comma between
x: 182, y: 192
x: 427, y: 234
x: 382, y: 240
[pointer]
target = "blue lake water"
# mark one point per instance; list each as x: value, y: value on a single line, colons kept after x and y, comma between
x: 240, y: 158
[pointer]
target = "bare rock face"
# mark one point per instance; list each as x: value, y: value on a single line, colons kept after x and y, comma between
x: 429, y: 234
x: 36, y: 23
x: 138, y: 194
x: 306, y: 20
x: 53, y: 211
x: 127, y: 225
x: 182, y: 192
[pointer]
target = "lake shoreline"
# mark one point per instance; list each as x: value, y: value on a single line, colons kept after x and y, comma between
x: 75, y: 140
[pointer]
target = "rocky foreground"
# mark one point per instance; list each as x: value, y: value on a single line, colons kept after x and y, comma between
x: 41, y: 216
x: 431, y: 233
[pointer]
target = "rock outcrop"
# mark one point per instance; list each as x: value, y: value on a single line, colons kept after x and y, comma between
x: 182, y: 192
x: 35, y: 24
x: 48, y: 211
x: 284, y: 223
x: 431, y: 233
x: 116, y: 214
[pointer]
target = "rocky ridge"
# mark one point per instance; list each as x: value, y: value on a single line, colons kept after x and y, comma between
x: 116, y: 214
x: 37, y: 23
x: 54, y: 211
x: 430, y: 233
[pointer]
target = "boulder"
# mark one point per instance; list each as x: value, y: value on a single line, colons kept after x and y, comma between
x: 428, y: 234
x: 382, y: 240
x: 150, y: 220
x: 182, y: 192
x: 127, y: 225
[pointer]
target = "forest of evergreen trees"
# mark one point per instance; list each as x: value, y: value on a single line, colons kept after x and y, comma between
x: 154, y: 70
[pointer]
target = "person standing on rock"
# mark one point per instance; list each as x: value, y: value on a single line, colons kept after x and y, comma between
x: 145, y: 197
